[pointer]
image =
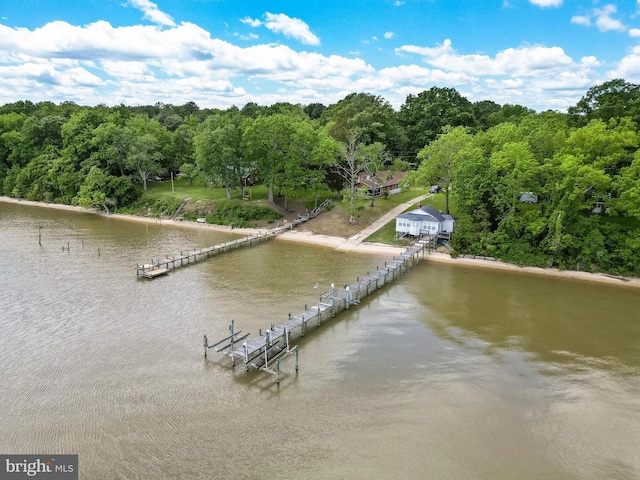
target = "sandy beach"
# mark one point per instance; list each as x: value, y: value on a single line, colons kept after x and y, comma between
x: 355, y: 244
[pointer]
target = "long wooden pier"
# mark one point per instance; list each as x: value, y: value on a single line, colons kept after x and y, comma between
x: 159, y: 267
x: 163, y: 266
x: 265, y: 351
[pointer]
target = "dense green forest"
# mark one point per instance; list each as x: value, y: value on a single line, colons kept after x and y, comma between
x: 583, y: 166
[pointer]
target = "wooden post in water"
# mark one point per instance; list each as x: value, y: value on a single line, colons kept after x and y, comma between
x: 206, y: 346
x: 40, y: 235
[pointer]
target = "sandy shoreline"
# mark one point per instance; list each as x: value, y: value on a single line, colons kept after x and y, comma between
x: 342, y: 244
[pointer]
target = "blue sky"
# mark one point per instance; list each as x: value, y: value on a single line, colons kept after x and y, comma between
x: 543, y: 54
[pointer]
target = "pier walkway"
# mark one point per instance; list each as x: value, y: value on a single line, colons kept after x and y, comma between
x: 159, y: 267
x: 163, y: 266
x: 265, y: 351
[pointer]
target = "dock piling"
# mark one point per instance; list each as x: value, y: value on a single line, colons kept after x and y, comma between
x: 263, y: 351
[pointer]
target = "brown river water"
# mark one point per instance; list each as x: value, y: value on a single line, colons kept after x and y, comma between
x: 447, y: 373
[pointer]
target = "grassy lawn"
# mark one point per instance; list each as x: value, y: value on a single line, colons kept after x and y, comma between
x: 197, y: 191
x: 334, y: 222
x: 163, y: 198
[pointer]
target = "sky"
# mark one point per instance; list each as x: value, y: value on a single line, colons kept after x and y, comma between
x: 541, y: 54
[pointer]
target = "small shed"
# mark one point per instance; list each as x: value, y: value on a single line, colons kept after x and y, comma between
x: 528, y: 197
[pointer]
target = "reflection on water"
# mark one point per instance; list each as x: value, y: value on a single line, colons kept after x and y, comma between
x: 447, y: 373
x: 555, y: 320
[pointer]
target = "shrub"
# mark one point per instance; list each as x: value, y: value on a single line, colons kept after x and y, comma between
x: 241, y: 215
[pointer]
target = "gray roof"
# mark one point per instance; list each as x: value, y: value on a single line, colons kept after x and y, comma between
x: 428, y: 214
x: 433, y: 212
x: 416, y: 217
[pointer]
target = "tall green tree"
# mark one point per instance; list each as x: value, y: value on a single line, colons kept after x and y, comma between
x: 439, y: 158
x: 515, y: 170
x: 280, y: 146
x: 352, y: 163
x: 143, y: 157
x: 146, y: 148
x: 627, y: 186
x: 218, y: 149
x: 78, y: 133
x: 111, y: 143
x: 103, y: 191
x: 613, y: 99
x: 371, y: 116
x: 424, y: 116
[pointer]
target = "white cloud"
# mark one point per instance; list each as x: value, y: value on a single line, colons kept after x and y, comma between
x: 101, y: 40
x: 581, y: 20
x: 525, y: 61
x: 101, y: 63
x: 546, y: 3
x: 605, y: 22
x: 634, y: 32
x: 254, y: 22
x: 144, y: 64
x: 290, y: 27
x: 590, y: 62
x: 127, y: 70
x: 152, y: 12
x: 603, y: 19
x: 629, y: 67
x: 388, y: 35
x: 251, y: 36
x: 535, y: 76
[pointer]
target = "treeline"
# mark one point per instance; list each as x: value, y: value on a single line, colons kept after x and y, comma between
x: 483, y: 154
x: 582, y: 169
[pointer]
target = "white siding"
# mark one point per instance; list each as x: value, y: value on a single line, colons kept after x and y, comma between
x: 448, y: 226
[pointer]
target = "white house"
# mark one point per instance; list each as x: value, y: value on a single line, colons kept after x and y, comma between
x: 425, y: 220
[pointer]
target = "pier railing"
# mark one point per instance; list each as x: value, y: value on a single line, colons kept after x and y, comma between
x: 159, y: 267
x: 162, y: 266
x: 265, y: 351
